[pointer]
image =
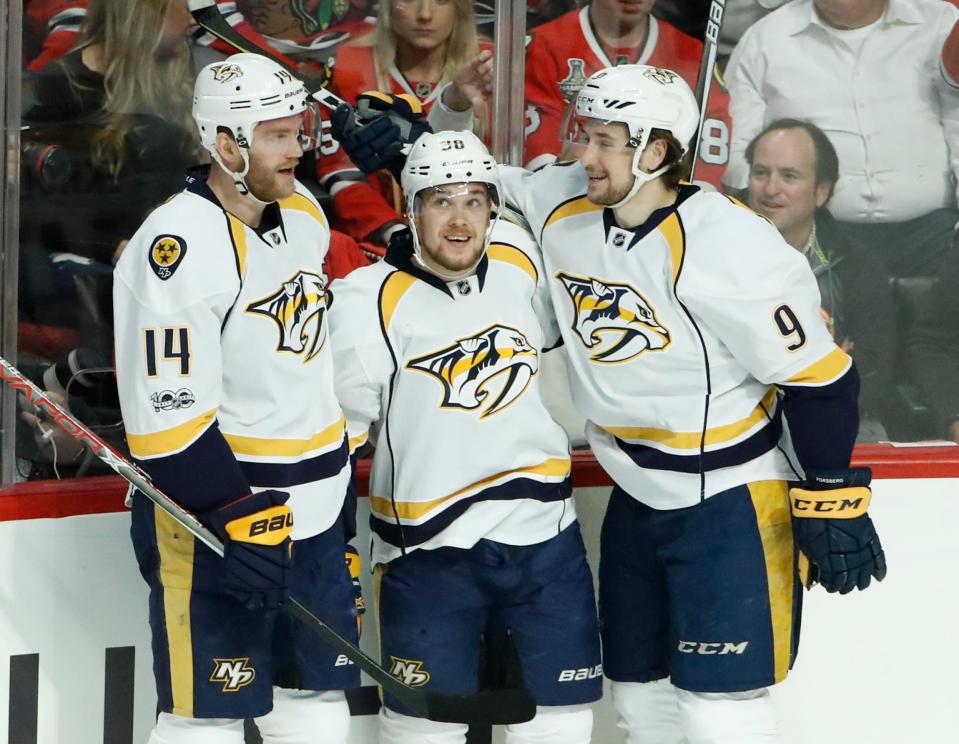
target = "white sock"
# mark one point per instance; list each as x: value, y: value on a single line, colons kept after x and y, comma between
x: 728, y: 717
x: 648, y: 711
x: 171, y: 729
x: 554, y: 724
x: 306, y: 717
x: 395, y: 728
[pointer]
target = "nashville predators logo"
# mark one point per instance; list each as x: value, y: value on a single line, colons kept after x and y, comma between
x: 226, y: 72
x: 409, y: 671
x: 232, y: 673
x: 166, y: 254
x: 661, y: 76
x: 298, y: 308
x: 613, y: 319
x: 490, y: 369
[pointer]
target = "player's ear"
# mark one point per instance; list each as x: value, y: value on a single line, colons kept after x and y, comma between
x: 227, y: 147
x: 653, y: 156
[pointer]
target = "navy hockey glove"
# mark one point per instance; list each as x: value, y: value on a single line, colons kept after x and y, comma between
x: 386, y: 123
x: 833, y: 530
x: 257, y: 554
x: 353, y: 565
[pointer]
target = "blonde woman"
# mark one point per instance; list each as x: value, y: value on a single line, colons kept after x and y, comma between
x: 414, y: 48
x: 120, y: 101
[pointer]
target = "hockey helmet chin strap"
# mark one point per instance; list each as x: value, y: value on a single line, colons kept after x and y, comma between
x: 239, y: 178
x: 450, y: 276
x: 640, y: 177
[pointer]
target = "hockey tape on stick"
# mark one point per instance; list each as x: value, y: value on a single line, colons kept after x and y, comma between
x: 707, y: 65
x: 492, y: 707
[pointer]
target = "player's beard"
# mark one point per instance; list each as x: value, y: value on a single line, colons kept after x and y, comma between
x: 612, y: 195
x: 267, y: 185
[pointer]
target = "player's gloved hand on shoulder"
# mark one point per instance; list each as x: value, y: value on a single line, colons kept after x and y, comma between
x: 255, y: 530
x: 833, y: 530
x: 374, y: 132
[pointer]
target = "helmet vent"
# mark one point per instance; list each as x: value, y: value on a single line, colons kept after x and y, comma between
x: 269, y: 100
x: 244, y: 104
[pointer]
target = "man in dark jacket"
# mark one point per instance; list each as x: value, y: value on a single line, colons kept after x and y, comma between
x: 793, y: 170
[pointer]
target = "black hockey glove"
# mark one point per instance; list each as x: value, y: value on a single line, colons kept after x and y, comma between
x: 257, y: 555
x: 353, y: 565
x: 833, y: 530
x: 373, y: 134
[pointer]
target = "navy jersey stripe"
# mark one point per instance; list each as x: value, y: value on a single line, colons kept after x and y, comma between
x: 285, y: 474
x: 750, y: 448
x: 522, y: 488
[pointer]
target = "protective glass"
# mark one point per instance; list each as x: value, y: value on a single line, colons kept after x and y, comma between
x: 578, y: 132
x: 475, y: 199
x: 273, y: 139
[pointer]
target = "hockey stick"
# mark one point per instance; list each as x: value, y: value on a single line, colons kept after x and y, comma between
x: 707, y: 66
x: 491, y: 707
x: 208, y: 15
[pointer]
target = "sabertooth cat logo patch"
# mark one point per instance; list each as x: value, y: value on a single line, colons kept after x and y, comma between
x: 486, y: 371
x: 226, y: 72
x: 661, y: 76
x: 166, y: 254
x: 613, y: 319
x: 298, y: 309
x: 232, y: 673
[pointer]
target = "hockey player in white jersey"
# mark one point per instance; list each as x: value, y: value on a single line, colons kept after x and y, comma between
x: 225, y: 378
x: 716, y: 401
x: 437, y: 352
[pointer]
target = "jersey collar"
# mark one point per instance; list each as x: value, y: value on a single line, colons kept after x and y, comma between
x: 196, y: 183
x: 631, y: 237
x: 399, y: 255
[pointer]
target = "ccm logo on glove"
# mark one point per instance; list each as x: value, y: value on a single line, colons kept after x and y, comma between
x: 844, y: 503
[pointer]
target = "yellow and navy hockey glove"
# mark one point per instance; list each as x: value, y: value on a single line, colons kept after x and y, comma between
x: 354, y: 565
x: 833, y: 530
x: 257, y: 550
x: 374, y: 133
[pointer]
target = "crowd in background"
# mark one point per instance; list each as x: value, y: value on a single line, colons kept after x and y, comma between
x: 838, y: 120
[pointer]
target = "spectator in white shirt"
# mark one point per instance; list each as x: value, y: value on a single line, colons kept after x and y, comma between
x: 870, y: 74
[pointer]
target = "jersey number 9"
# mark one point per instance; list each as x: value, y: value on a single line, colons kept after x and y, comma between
x: 790, y: 327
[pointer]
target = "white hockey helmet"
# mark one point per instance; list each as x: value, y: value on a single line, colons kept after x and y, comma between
x: 242, y: 91
x: 643, y: 98
x: 444, y: 158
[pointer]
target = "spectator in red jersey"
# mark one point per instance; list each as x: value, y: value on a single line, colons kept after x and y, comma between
x: 415, y: 47
x: 567, y: 50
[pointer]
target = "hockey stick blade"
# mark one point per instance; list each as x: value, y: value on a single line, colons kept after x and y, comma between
x: 497, y: 707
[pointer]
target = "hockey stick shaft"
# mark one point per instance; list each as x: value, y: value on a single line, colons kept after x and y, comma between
x: 500, y: 706
x: 208, y: 15
x: 707, y: 65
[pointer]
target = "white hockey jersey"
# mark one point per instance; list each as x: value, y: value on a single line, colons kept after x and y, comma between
x: 446, y: 374
x: 677, y: 333
x: 221, y: 334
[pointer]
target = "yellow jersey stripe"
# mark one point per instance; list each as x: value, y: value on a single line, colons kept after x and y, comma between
x: 692, y: 439
x: 169, y: 440
x: 509, y: 254
x: 300, y: 203
x: 241, y: 445
x: 828, y: 369
x: 673, y: 232
x: 415, y: 509
x: 176, y: 547
x: 393, y: 290
x: 238, y: 234
x: 571, y: 209
x: 357, y: 442
x: 771, y: 502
